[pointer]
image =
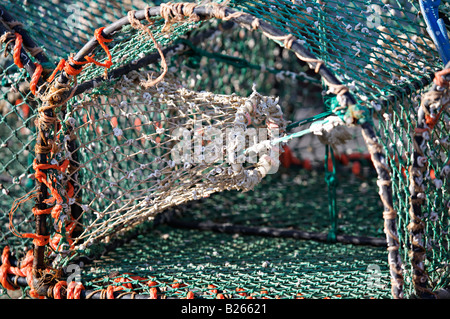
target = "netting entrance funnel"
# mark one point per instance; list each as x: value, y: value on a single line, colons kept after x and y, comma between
x: 91, y: 145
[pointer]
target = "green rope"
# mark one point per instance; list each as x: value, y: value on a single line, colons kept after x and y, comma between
x: 331, y: 180
x: 302, y: 132
x: 308, y: 120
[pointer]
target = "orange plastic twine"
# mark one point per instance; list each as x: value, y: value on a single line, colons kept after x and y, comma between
x: 16, y: 56
x: 67, y: 67
x: 101, y: 40
x: 55, y: 211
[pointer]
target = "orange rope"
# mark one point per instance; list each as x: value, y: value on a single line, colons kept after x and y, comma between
x: 65, y: 65
x: 190, y: 295
x: 5, y: 270
x: 74, y: 290
x: 54, y: 241
x: 71, y: 70
x: 57, y: 289
x: 16, y: 56
x: 40, y: 240
x: 42, y: 177
x: 37, y: 239
x: 35, y: 78
x: 17, y: 49
x: 41, y: 211
x: 101, y: 40
x: 153, y: 293
x: 25, y: 270
x: 110, y: 292
x: 59, y: 67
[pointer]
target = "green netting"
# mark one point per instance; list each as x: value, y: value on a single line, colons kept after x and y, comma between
x: 287, y: 191
x: 261, y: 267
x: 379, y: 49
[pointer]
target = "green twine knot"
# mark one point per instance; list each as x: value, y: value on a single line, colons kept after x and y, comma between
x: 352, y: 114
x: 330, y: 179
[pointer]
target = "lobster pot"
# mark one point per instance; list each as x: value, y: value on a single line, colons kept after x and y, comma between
x: 223, y: 149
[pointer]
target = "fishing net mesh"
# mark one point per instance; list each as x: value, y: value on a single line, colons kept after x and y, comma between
x: 112, y: 172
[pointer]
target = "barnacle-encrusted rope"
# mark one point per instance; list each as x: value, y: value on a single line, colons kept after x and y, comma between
x: 389, y: 214
x: 433, y: 103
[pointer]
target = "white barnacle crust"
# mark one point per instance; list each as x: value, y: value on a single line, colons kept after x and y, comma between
x: 117, y: 132
x: 421, y: 160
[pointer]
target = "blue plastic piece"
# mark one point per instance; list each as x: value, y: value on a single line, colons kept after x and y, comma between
x: 436, y: 28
